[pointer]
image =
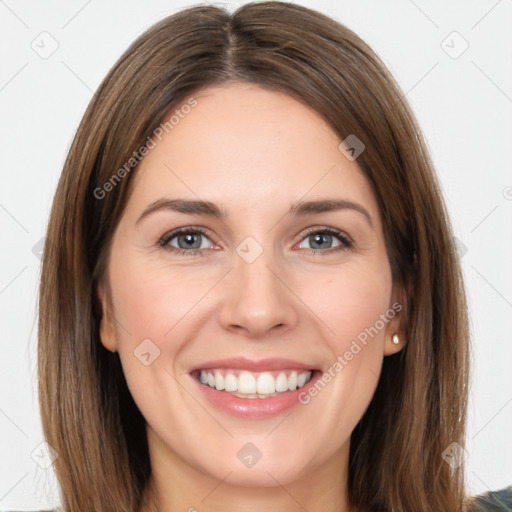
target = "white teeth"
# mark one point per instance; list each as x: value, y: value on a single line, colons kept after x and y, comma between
x: 219, y: 381
x: 281, y: 383
x: 230, y: 382
x: 265, y: 384
x: 292, y: 381
x: 246, y: 383
x: 301, y: 380
x: 254, y: 385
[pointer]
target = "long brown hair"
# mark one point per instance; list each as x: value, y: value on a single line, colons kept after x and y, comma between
x: 419, y: 408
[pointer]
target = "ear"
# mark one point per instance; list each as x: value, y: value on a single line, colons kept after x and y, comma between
x: 107, y: 328
x: 397, y: 314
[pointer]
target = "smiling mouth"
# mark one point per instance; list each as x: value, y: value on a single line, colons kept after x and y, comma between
x: 246, y: 384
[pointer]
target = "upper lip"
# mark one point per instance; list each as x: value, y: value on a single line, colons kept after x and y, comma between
x: 242, y: 363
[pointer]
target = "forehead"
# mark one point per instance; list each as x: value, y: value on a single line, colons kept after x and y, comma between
x: 249, y: 148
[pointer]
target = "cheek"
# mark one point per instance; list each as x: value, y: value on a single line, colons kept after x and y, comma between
x: 351, y: 302
x: 151, y: 300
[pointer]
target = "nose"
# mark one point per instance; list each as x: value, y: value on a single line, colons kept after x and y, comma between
x: 257, y: 300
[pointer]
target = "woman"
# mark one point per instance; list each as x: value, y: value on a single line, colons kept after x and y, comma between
x: 250, y: 297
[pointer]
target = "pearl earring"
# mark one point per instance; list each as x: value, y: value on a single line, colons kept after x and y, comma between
x: 395, y: 339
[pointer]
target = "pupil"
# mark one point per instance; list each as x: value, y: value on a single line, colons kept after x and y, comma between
x: 189, y: 239
x: 319, y: 236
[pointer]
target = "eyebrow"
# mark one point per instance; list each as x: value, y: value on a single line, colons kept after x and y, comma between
x: 299, y: 209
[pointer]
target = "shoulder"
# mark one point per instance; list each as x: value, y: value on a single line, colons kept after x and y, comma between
x: 493, y: 501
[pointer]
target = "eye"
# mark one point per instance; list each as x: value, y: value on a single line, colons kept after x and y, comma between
x: 187, y: 241
x: 322, y: 240
x: 191, y: 241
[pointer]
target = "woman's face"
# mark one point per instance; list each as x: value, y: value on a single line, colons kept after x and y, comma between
x: 260, y: 299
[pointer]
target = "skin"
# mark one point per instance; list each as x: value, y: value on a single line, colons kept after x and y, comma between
x: 253, y: 152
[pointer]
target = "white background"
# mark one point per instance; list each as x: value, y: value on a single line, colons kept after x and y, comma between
x: 464, y: 106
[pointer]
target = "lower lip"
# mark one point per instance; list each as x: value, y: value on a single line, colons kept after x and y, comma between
x: 254, y: 408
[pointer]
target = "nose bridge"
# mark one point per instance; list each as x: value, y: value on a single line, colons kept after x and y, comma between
x: 256, y: 299
x: 256, y: 275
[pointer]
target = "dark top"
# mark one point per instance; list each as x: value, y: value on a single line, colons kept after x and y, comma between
x: 493, y: 501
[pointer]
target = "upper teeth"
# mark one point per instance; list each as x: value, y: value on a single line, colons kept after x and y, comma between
x: 246, y: 382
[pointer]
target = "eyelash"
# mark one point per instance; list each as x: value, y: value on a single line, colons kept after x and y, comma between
x: 346, y: 243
